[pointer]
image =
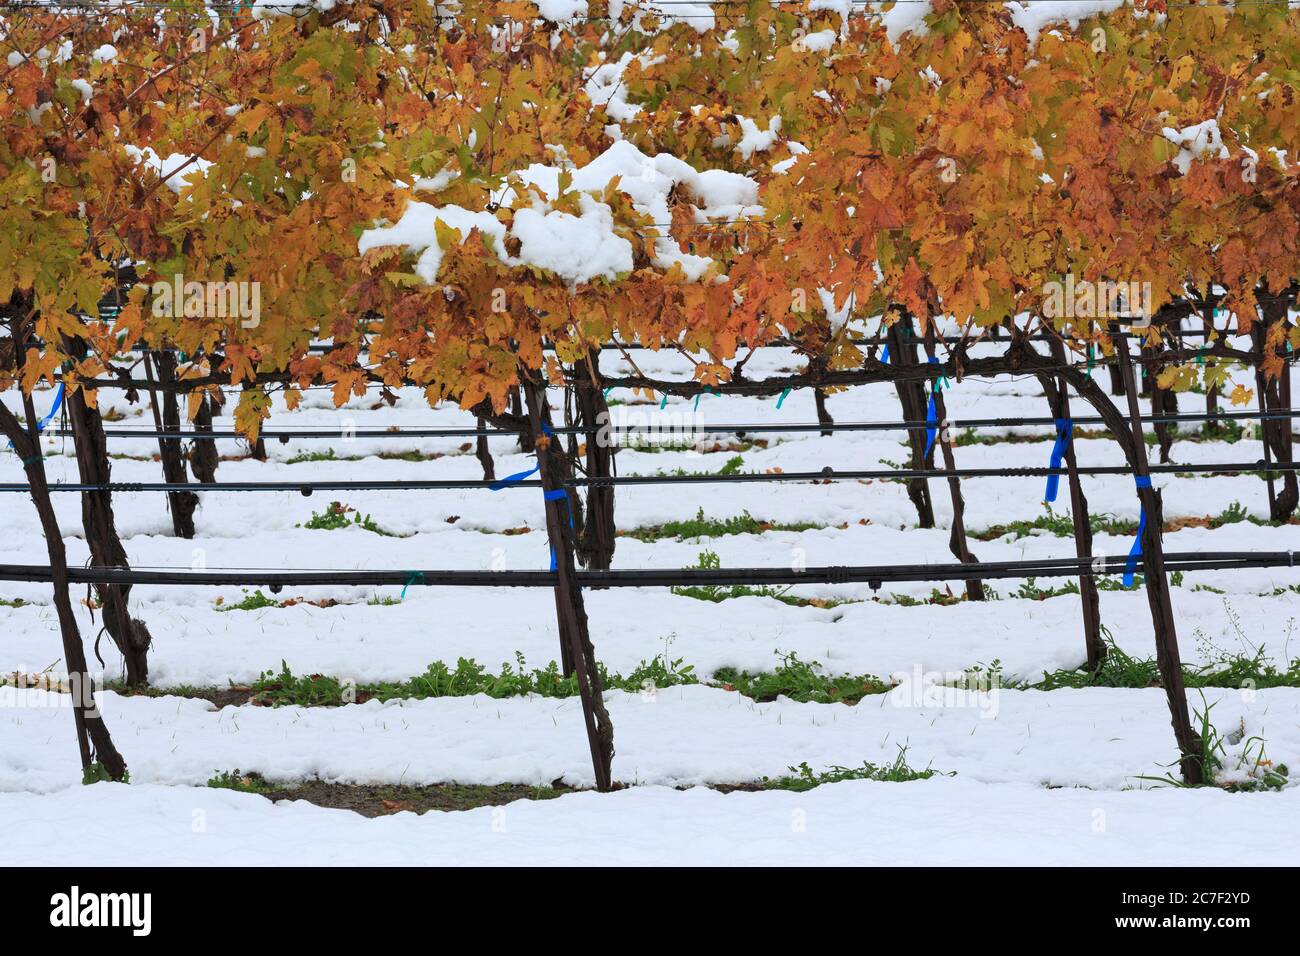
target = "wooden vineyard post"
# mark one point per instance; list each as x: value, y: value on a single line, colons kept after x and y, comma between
x: 597, y: 541
x: 1116, y: 378
x: 1261, y: 390
x: 1164, y: 402
x: 517, y: 410
x: 1213, y: 427
x: 1157, y: 585
x: 1058, y: 395
x: 911, y: 395
x: 167, y: 418
x: 570, y: 610
x: 957, y: 542
x: 1274, y: 396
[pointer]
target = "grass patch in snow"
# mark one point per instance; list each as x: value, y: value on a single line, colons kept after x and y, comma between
x: 1062, y: 525
x: 716, y: 593
x: 257, y: 601
x: 703, y: 527
x: 1027, y: 591
x: 251, y: 602
x: 803, y: 681
x: 1222, y: 668
x: 16, y: 602
x: 803, y: 777
x: 330, y: 455
x: 1235, y: 762
x: 1276, y: 592
x: 335, y: 518
x: 412, y: 456
x: 944, y: 598
x: 731, y: 467
x: 1229, y: 431
x: 98, y: 773
x: 241, y: 782
x: 629, y: 443
x: 313, y: 456
x: 467, y: 678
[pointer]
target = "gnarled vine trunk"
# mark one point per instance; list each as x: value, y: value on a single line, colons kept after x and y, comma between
x: 571, y: 613
x: 167, y: 417
x: 1128, y: 432
x: 129, y: 634
x: 911, y: 395
x: 1275, y: 396
x: 599, y: 534
x: 203, y: 452
x: 94, y: 742
x: 482, y: 452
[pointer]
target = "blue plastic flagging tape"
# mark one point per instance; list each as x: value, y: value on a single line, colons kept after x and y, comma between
x: 1130, y: 566
x: 1064, y: 429
x: 931, y: 416
x: 555, y: 495
x: 49, y: 416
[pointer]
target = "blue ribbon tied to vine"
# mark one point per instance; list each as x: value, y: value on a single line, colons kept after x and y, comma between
x: 1064, y: 429
x: 932, y: 416
x: 1130, y: 566
x: 553, y: 495
x: 49, y: 416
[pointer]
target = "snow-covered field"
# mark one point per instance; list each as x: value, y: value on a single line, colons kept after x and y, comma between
x: 1044, y: 776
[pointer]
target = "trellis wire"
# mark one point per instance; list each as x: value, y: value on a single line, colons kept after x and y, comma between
x: 283, y: 435
x: 873, y: 575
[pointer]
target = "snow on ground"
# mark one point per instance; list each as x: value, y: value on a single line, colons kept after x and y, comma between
x: 1039, y: 775
x: 940, y: 821
x: 1101, y: 738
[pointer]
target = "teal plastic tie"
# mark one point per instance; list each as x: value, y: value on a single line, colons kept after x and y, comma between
x: 415, y: 576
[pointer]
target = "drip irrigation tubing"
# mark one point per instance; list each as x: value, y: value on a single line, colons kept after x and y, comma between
x: 284, y: 435
x: 827, y: 474
x: 655, y: 577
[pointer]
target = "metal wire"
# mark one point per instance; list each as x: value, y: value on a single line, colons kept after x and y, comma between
x: 308, y: 488
x: 284, y: 435
x: 873, y: 575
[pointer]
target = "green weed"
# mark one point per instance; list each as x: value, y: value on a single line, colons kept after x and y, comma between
x: 335, y: 517
x: 243, y: 783
x: 702, y: 527
x: 251, y: 602
x: 803, y: 681
x: 803, y: 778
x: 1250, y: 771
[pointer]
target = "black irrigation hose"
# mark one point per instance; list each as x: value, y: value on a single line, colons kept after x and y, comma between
x: 657, y: 577
x: 284, y: 435
x: 307, y: 488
